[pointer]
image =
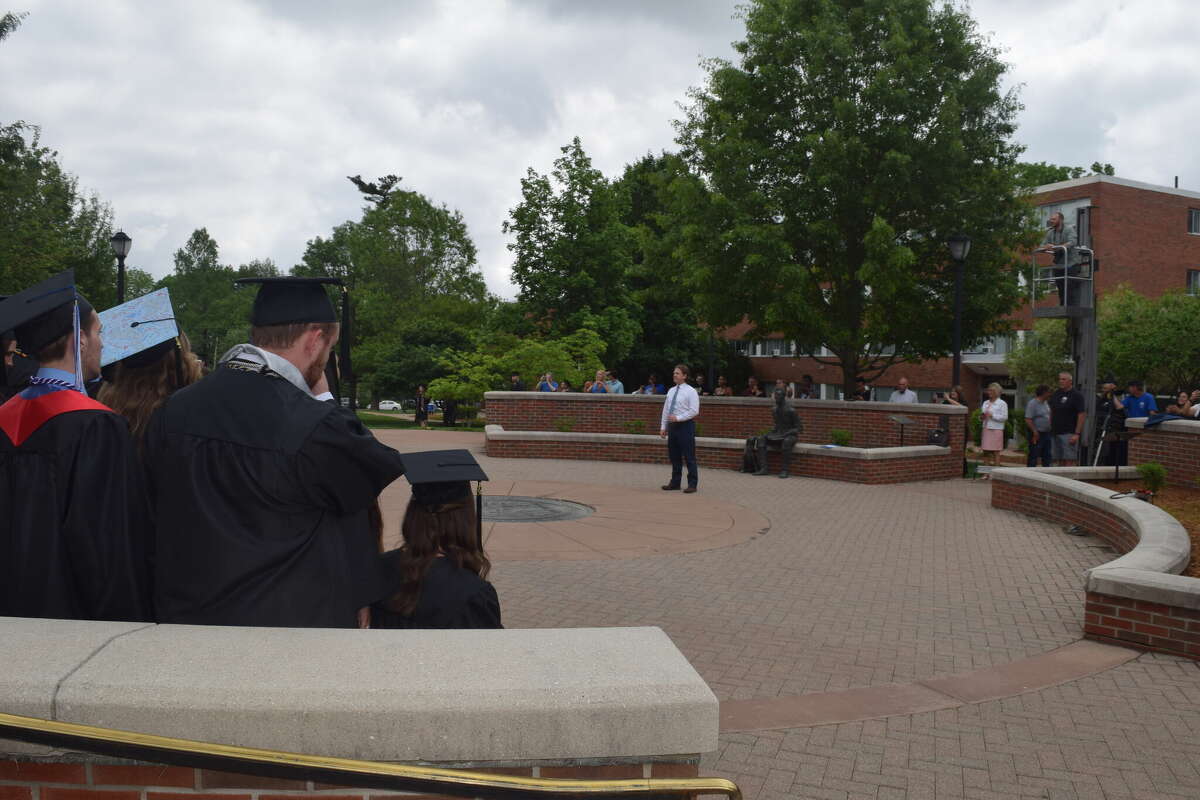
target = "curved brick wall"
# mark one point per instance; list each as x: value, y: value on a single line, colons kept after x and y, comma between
x: 1138, y: 600
x: 1174, y: 444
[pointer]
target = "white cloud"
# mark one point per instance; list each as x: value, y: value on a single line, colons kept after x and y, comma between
x: 245, y: 116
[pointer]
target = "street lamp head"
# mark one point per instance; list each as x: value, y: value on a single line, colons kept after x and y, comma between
x: 121, y: 243
x: 960, y: 246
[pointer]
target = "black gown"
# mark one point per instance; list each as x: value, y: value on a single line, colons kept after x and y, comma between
x: 75, y: 534
x: 260, y: 495
x: 451, y: 597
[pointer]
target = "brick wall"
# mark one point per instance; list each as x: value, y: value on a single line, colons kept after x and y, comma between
x: 720, y: 417
x: 1178, y: 451
x: 853, y: 470
x: 1118, y: 620
x: 60, y: 780
x: 1141, y: 624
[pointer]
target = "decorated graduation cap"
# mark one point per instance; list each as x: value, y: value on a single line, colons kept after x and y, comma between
x: 45, y: 312
x: 290, y: 300
x: 441, y: 477
x: 140, y: 332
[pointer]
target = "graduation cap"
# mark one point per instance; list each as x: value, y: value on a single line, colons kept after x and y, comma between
x: 289, y: 300
x: 139, y: 332
x: 439, y: 477
x: 45, y: 312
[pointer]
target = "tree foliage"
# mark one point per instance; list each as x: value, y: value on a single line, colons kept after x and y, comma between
x: 839, y: 153
x: 1156, y: 340
x: 1031, y: 174
x: 573, y: 252
x: 1045, y: 352
x: 49, y: 225
x: 574, y: 357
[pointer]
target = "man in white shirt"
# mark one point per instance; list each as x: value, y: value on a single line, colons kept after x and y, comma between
x: 903, y: 394
x: 678, y: 427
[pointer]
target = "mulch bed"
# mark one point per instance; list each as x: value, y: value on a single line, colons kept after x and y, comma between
x: 1181, y: 503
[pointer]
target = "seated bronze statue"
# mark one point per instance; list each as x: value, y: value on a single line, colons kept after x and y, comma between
x: 782, y: 437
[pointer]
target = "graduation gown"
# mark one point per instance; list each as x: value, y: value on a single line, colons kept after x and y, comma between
x: 260, y: 496
x: 75, y: 533
x: 451, y: 597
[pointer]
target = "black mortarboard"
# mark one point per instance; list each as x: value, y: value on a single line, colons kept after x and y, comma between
x: 283, y: 301
x: 444, y: 476
x: 287, y: 300
x: 43, y: 313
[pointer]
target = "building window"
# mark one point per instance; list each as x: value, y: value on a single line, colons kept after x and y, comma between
x: 1194, y: 220
x: 1194, y: 282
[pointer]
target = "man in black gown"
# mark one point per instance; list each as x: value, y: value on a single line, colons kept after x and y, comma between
x: 74, y: 526
x: 260, y: 490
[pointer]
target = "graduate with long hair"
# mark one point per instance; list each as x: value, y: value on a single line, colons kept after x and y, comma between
x: 440, y: 572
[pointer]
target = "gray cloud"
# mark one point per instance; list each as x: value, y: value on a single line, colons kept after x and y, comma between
x: 244, y: 116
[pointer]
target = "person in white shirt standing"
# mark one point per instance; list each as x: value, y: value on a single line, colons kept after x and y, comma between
x: 994, y: 412
x: 679, y: 429
x: 903, y: 394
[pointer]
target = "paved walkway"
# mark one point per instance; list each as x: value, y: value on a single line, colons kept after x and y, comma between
x: 888, y: 592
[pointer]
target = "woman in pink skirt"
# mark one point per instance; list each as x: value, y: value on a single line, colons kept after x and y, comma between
x: 995, y: 413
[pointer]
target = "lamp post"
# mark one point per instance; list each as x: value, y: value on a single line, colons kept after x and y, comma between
x: 960, y: 248
x: 121, y: 243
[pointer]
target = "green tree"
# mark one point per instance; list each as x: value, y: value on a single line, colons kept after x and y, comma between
x: 417, y: 357
x: 573, y: 253
x: 839, y: 153
x: 405, y: 259
x: 1039, y: 173
x: 208, y: 308
x: 1155, y: 340
x: 48, y: 224
x: 575, y: 357
x: 1044, y: 352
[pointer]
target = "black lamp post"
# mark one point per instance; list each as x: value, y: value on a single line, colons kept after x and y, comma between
x: 121, y: 243
x: 960, y: 248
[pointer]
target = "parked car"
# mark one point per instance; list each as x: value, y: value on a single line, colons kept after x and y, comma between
x: 389, y: 405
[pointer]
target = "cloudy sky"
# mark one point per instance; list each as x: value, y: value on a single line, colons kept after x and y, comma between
x: 245, y: 116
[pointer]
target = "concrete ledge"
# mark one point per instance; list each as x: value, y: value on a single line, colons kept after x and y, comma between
x: 1138, y: 600
x: 415, y: 696
x: 498, y: 433
x: 1171, y: 425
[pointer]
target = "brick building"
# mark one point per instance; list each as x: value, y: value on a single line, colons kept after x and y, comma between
x: 1143, y: 235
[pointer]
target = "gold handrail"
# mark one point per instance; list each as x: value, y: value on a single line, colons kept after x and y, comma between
x: 351, y: 772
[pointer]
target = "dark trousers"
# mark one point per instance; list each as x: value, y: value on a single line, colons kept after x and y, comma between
x: 681, y: 446
x: 1040, y: 450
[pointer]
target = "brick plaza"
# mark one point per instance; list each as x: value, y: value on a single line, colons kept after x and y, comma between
x: 922, y: 643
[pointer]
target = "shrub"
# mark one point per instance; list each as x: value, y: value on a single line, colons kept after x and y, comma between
x: 634, y: 426
x: 564, y: 424
x: 840, y: 437
x: 1154, y: 476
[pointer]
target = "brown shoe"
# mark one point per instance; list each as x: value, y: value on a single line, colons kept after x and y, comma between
x: 690, y: 490
x: 669, y: 488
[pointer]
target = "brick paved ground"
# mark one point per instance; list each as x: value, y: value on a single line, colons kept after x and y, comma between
x: 861, y: 586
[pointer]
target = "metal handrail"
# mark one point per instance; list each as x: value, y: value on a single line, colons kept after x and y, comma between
x: 1045, y: 274
x: 348, y: 772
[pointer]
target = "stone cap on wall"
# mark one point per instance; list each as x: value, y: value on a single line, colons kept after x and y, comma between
x: 874, y: 405
x: 1172, y: 425
x: 414, y: 696
x: 497, y: 433
x: 1147, y: 572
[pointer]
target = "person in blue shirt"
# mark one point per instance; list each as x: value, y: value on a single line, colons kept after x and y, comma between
x: 547, y: 383
x: 600, y: 385
x: 1138, y: 402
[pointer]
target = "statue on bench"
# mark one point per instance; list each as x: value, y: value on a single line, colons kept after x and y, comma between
x: 781, y: 437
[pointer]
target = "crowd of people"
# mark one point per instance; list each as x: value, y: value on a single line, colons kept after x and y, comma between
x: 248, y: 496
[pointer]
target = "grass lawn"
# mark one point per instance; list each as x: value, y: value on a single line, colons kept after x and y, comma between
x: 395, y: 419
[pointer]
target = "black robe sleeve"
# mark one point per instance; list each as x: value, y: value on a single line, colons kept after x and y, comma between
x: 344, y: 465
x: 106, y: 524
x: 482, y: 609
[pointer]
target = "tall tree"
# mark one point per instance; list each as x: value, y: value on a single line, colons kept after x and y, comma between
x: 1156, y: 340
x: 48, y: 224
x: 1031, y: 174
x: 573, y: 252
x: 208, y: 308
x: 848, y: 142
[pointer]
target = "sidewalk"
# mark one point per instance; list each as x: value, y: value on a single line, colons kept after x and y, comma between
x: 893, y: 587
